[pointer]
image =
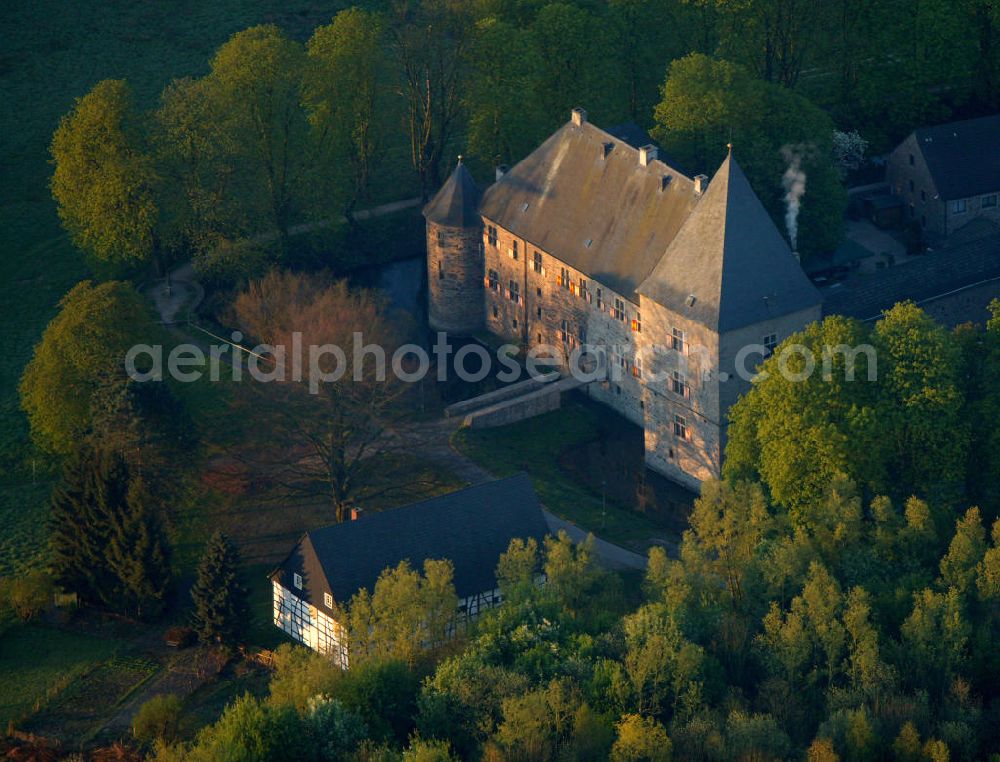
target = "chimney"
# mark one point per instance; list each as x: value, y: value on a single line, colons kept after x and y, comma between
x: 356, y: 513
x: 646, y: 155
x: 700, y: 184
x: 578, y: 116
x: 501, y: 171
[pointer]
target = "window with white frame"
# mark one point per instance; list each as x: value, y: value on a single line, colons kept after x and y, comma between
x: 679, y: 384
x: 770, y: 343
x: 678, y: 340
x: 297, y: 580
x: 681, y: 427
x: 637, y: 367
x: 328, y: 600
x: 958, y: 206
x: 637, y: 322
x: 989, y: 201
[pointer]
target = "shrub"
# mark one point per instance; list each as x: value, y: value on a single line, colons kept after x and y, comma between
x: 158, y: 719
x: 25, y: 596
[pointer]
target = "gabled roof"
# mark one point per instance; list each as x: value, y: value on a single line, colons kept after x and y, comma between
x: 599, y: 211
x: 457, y: 203
x: 729, y: 267
x: 471, y: 527
x: 963, y: 157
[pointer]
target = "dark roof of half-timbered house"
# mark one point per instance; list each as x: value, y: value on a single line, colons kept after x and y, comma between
x: 471, y: 528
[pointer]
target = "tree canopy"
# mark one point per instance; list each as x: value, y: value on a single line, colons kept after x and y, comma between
x: 82, y: 348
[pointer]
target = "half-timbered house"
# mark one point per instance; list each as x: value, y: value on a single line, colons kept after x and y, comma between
x: 471, y: 528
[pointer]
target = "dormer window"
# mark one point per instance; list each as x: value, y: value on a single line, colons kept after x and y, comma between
x: 297, y: 580
x: 328, y: 600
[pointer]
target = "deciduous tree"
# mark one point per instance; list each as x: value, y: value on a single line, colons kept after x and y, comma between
x: 105, y: 180
x: 83, y: 346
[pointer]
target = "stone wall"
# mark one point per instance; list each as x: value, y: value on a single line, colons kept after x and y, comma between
x: 555, y: 305
x: 454, y: 279
x: 914, y: 184
x: 682, y: 429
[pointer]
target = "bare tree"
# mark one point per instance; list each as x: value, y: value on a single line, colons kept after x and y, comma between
x: 330, y: 428
x: 429, y: 40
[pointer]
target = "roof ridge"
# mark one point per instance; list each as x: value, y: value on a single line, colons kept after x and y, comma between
x: 433, y: 498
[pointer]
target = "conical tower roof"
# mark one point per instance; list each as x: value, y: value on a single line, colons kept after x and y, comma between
x: 729, y: 267
x: 457, y: 203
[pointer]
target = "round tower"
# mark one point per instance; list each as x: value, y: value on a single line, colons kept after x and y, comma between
x: 454, y: 256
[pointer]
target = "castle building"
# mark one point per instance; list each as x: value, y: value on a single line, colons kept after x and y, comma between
x: 674, y: 283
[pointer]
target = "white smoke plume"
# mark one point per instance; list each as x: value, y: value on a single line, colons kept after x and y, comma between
x: 794, y: 183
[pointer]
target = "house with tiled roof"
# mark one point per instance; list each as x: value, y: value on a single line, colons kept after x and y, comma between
x: 679, y: 285
x: 471, y: 528
x: 949, y: 175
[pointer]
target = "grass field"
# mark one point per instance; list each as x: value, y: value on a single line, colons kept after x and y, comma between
x: 37, y: 662
x: 556, y: 450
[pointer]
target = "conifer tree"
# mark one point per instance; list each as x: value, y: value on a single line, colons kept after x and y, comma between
x: 106, y: 544
x: 138, y: 555
x: 220, y: 599
x: 93, y: 486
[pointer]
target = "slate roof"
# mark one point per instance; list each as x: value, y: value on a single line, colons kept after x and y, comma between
x: 568, y: 192
x: 731, y: 259
x: 867, y: 295
x: 963, y: 157
x: 456, y: 204
x: 637, y: 137
x: 471, y: 527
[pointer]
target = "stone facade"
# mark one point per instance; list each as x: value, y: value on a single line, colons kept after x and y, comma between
x: 454, y: 279
x: 535, y: 299
x: 909, y: 177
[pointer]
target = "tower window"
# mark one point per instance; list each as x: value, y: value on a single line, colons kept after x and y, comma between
x: 620, y: 310
x: 494, y: 280
x: 600, y: 300
x: 440, y: 270
x: 491, y: 236
x: 770, y: 342
x: 679, y: 385
x: 678, y: 341
x: 537, y: 264
x: 564, y: 278
x: 681, y: 427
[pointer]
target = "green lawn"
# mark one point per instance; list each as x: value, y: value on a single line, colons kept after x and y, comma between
x: 544, y: 446
x: 38, y: 662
